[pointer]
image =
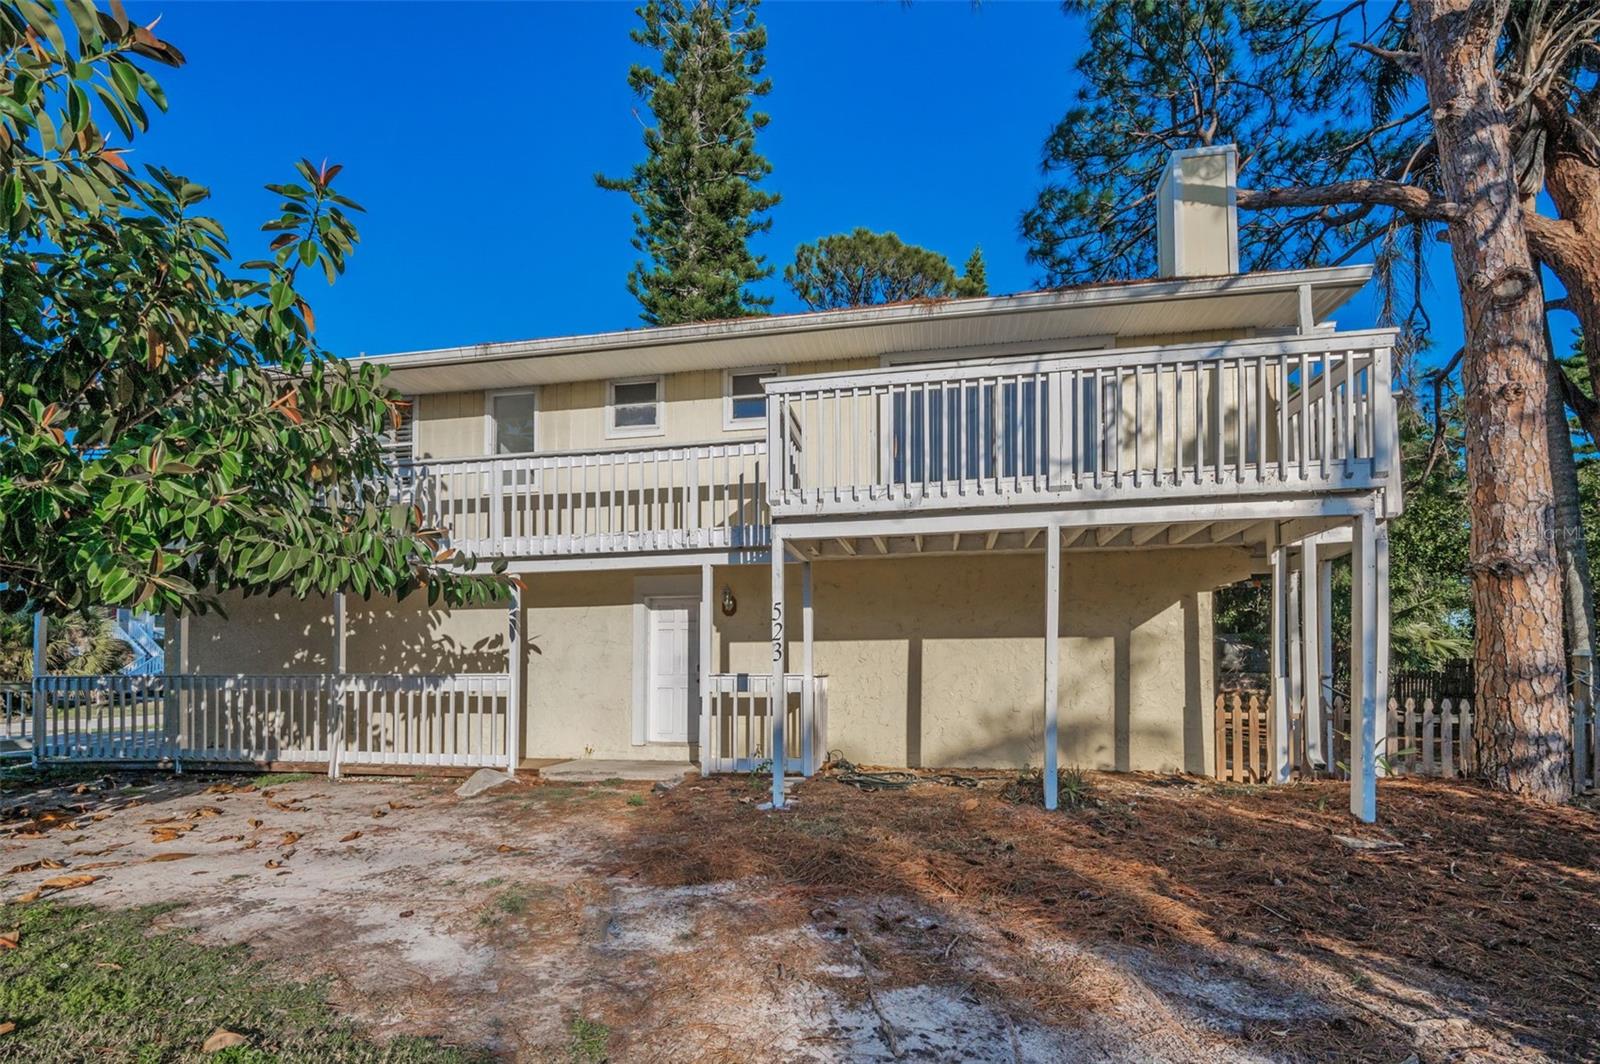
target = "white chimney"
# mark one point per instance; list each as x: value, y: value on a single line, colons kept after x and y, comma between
x: 1197, y: 213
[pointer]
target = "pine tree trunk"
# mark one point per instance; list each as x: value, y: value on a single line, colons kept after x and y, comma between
x: 1524, y: 723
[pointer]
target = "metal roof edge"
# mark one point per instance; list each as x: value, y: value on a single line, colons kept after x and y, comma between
x: 1150, y: 290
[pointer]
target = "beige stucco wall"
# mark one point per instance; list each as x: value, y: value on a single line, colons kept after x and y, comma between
x: 931, y: 661
x: 939, y: 661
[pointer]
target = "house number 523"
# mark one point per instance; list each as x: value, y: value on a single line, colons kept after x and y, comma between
x: 777, y: 632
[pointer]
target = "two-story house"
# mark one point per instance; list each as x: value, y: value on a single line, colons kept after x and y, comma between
x: 971, y: 532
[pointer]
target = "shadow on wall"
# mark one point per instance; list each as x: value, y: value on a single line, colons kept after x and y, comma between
x: 940, y: 661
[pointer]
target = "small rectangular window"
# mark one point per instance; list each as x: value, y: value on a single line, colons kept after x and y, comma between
x: 635, y: 408
x: 511, y: 421
x: 744, y: 400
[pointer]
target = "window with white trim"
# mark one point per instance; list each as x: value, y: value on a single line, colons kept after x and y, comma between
x: 511, y: 422
x: 744, y: 401
x: 633, y: 407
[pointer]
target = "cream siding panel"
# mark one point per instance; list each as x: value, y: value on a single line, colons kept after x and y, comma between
x: 450, y: 425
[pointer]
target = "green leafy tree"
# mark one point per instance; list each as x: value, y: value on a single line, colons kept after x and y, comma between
x: 169, y: 426
x: 862, y: 268
x: 695, y: 195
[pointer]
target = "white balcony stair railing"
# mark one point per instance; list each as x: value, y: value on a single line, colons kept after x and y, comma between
x: 696, y: 496
x: 1220, y: 420
x: 737, y: 734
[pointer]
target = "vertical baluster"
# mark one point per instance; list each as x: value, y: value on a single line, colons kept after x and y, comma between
x: 1259, y: 423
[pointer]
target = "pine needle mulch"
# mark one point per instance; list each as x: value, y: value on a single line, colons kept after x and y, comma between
x: 1486, y: 906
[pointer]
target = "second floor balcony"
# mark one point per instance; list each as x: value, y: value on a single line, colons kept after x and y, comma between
x: 710, y: 496
x: 1185, y: 424
x: 1189, y: 423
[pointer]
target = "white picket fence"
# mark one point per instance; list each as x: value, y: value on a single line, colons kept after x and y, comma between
x: 737, y: 736
x: 349, y: 719
x: 1424, y: 738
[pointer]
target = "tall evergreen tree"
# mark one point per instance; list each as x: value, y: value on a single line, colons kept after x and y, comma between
x: 862, y: 268
x: 975, y: 274
x: 696, y: 196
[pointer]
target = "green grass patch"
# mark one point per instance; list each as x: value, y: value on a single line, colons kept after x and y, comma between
x: 587, y: 1041
x: 92, y: 984
x: 635, y: 799
x: 278, y: 779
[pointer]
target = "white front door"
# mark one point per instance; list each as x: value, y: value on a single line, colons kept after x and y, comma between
x: 674, y: 669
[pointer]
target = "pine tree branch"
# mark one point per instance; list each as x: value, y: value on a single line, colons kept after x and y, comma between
x: 1409, y: 199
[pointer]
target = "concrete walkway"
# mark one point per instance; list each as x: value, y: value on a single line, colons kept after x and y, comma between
x: 585, y: 770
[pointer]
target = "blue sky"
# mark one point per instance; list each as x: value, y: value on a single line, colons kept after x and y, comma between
x: 471, y: 132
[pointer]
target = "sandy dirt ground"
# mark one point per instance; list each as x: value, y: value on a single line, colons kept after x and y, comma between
x: 936, y: 923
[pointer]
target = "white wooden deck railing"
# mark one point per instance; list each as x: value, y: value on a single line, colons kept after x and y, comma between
x: 1223, y: 419
x: 709, y: 496
x: 321, y: 718
x: 738, y: 735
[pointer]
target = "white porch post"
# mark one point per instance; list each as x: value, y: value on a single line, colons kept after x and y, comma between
x: 517, y: 671
x: 1052, y: 656
x: 778, y: 700
x: 186, y: 702
x: 1311, y: 636
x: 1325, y: 632
x: 1380, y: 577
x: 335, y: 688
x: 41, y: 639
x: 707, y: 645
x: 1279, y: 770
x: 1294, y: 637
x: 808, y: 751
x: 1363, y: 670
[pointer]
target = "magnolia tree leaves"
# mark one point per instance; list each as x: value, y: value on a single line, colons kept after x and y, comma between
x: 169, y: 426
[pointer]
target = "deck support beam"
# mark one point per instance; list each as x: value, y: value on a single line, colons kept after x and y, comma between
x: 707, y: 651
x: 1052, y: 657
x: 1364, y: 670
x: 1278, y: 771
x: 1325, y: 633
x: 778, y: 698
x: 1380, y: 576
x: 517, y: 655
x: 41, y: 666
x: 1295, y: 637
x: 338, y: 661
x: 808, y: 753
x: 1311, y: 635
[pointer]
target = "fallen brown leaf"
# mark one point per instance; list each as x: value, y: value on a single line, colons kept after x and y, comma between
x: 252, y: 844
x: 290, y: 838
x: 228, y: 838
x: 379, y: 814
x: 204, y: 811
x: 7, y: 1027
x: 101, y: 852
x: 352, y: 837
x: 502, y: 848
x: 401, y: 805
x: 255, y: 823
x: 274, y: 863
x: 55, y: 885
x: 101, y: 864
x: 160, y: 820
x: 173, y: 856
x: 34, y: 866
x: 406, y: 912
x: 10, y: 939
x: 221, y: 1039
